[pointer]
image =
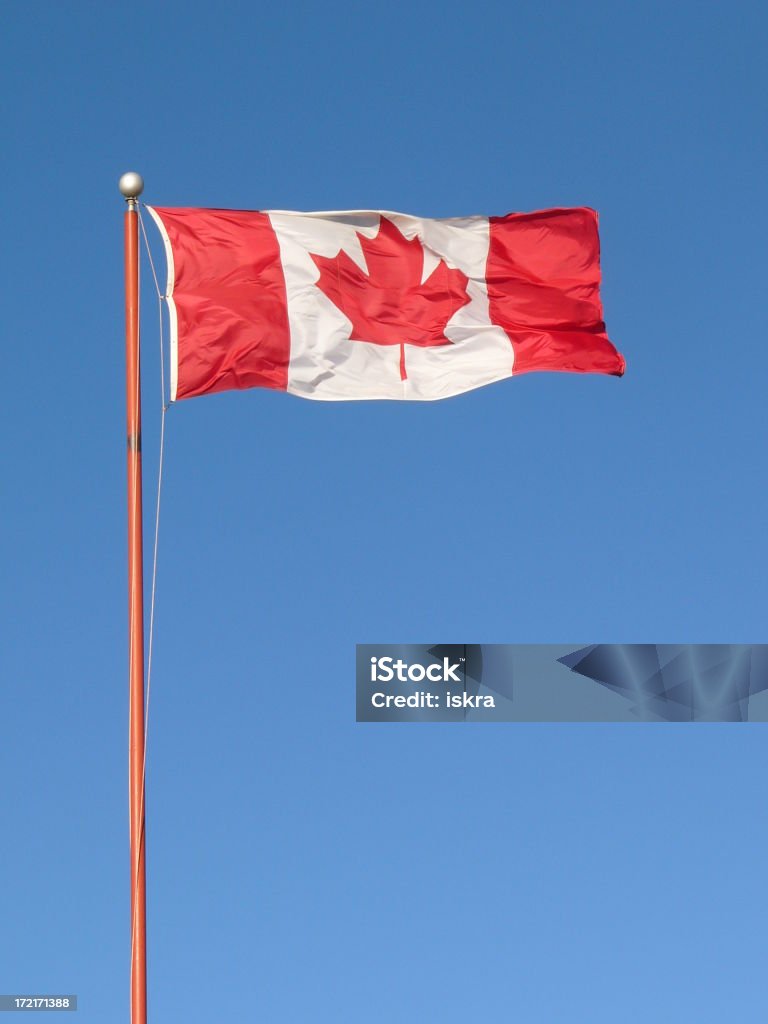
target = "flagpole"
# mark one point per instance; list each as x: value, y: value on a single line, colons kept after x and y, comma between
x: 131, y: 186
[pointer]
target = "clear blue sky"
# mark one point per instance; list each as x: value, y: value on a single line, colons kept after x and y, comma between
x: 303, y: 867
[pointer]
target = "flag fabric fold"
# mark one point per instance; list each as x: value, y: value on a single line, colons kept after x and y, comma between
x: 368, y: 304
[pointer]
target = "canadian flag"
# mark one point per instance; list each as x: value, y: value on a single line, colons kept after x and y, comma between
x: 364, y: 304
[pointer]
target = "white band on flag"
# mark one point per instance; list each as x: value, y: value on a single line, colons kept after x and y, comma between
x: 172, y: 318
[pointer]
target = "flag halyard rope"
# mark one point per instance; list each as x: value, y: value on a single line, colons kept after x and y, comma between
x: 163, y: 409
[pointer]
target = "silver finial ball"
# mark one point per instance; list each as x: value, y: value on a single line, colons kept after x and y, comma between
x: 131, y: 185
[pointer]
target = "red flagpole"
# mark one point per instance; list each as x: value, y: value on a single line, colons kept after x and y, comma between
x: 131, y: 186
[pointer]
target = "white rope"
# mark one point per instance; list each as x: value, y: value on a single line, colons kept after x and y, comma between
x: 163, y: 410
x: 160, y: 294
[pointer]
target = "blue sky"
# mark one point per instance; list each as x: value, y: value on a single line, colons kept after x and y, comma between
x: 301, y: 866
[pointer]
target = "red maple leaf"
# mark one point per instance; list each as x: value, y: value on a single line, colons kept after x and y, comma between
x: 389, y: 305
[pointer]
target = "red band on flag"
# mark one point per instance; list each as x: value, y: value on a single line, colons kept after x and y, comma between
x: 230, y: 300
x: 543, y: 278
